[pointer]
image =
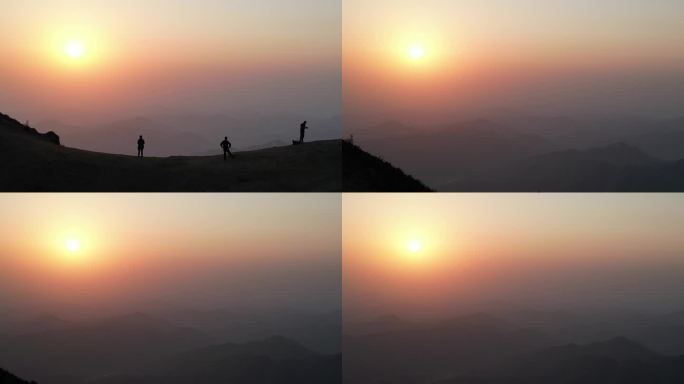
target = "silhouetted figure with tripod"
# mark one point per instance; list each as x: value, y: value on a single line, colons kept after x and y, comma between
x: 141, y: 146
x: 225, y: 144
x: 302, y: 128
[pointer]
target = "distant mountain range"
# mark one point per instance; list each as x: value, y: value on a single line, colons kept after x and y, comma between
x: 275, y: 360
x: 141, y: 348
x: 40, y: 323
x: 122, y: 343
x: 316, y: 331
x: 423, y: 352
x: 33, y: 162
x: 522, y: 155
x: 482, y: 348
x: 614, y: 168
x: 192, y: 135
x: 536, y: 154
x: 617, y: 360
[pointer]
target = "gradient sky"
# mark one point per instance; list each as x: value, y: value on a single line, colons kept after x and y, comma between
x: 531, y: 56
x: 483, y: 251
x: 169, y: 57
x: 196, y: 250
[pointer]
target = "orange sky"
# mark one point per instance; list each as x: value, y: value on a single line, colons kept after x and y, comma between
x: 510, y: 249
x: 189, y: 249
x: 155, y: 56
x: 548, y: 57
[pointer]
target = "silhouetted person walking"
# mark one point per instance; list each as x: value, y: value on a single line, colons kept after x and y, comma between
x: 302, y: 128
x: 225, y: 144
x: 141, y: 146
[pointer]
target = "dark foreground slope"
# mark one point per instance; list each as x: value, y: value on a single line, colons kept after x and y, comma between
x: 8, y: 378
x: 33, y: 162
x: 363, y: 172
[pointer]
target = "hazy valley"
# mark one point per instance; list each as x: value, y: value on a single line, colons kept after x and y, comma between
x: 533, y: 153
x: 522, y: 346
x: 217, y: 345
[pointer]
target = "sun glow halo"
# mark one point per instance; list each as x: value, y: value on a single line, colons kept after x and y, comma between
x: 414, y: 246
x: 77, y: 49
x: 416, y: 52
x: 72, y: 245
x: 74, y: 49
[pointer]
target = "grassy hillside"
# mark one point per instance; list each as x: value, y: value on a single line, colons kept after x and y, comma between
x: 32, y: 162
x: 364, y: 172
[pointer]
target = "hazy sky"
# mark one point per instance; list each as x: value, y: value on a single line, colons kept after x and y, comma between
x: 119, y: 251
x: 77, y: 60
x: 445, y: 58
x: 423, y: 255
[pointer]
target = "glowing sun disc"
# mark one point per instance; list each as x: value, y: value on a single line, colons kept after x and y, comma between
x: 414, y: 246
x: 72, y: 245
x: 416, y: 52
x: 74, y: 49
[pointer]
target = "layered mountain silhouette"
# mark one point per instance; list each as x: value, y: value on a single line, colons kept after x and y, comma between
x: 365, y: 172
x: 40, y: 323
x: 618, y: 360
x: 317, y: 331
x: 616, y: 167
x: 385, y: 323
x: 615, y: 361
x: 482, y: 348
x: 435, y: 155
x: 30, y: 161
x: 420, y: 353
x: 115, y: 344
x: 141, y: 348
x: 537, y: 154
x: 275, y: 360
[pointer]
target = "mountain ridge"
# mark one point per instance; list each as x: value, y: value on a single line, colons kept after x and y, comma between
x: 31, y: 163
x: 363, y: 172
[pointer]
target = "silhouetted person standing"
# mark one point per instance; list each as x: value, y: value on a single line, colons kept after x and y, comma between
x: 225, y: 144
x: 302, y: 128
x: 141, y: 146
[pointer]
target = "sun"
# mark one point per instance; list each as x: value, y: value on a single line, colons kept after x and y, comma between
x: 415, y: 251
x: 414, y: 246
x: 416, y: 52
x: 72, y: 245
x: 426, y: 54
x: 74, y: 252
x: 78, y: 49
x: 74, y: 49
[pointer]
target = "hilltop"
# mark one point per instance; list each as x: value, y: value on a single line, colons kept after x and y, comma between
x: 363, y: 172
x: 34, y: 162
